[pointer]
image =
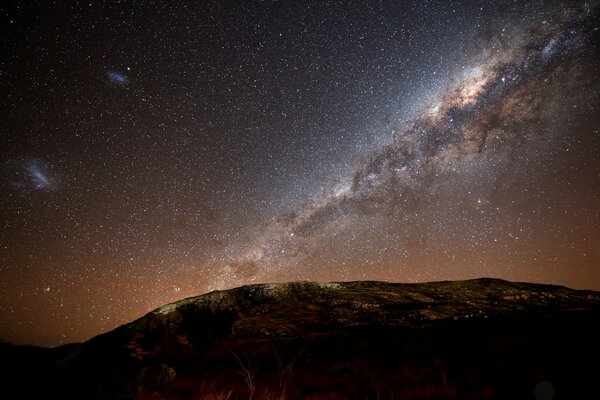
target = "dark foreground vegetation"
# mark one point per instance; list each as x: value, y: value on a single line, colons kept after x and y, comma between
x: 478, y: 339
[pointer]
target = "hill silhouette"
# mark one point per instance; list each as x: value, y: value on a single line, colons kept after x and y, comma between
x: 475, y: 339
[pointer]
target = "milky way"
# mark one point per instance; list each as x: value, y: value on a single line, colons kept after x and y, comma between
x: 484, y: 117
x: 155, y: 153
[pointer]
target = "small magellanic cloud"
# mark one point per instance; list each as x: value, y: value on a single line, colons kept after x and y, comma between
x: 117, y: 78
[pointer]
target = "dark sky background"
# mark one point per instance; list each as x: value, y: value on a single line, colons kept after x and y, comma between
x: 151, y: 152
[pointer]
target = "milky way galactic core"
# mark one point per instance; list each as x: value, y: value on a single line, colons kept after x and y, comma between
x: 152, y: 153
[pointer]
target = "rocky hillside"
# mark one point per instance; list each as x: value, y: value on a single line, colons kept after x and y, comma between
x: 483, y: 338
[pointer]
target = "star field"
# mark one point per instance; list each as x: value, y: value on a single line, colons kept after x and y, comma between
x: 155, y: 152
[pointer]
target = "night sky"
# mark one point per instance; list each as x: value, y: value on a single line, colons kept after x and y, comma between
x: 151, y: 152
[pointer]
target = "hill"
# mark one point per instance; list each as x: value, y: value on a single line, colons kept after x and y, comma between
x: 476, y: 339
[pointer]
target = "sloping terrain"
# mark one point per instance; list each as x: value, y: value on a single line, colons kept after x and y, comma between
x: 477, y: 339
